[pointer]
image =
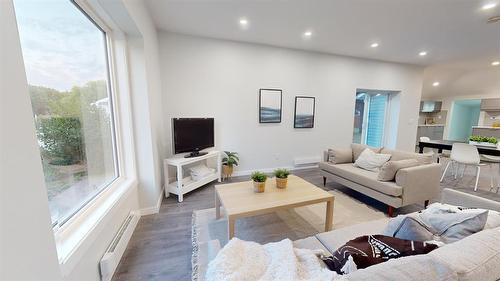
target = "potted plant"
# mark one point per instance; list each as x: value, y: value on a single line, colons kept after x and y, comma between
x: 484, y: 141
x: 281, y: 177
x: 259, y: 181
x: 229, y: 160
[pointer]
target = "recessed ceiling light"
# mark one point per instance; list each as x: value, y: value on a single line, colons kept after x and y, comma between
x: 435, y: 84
x: 495, y: 63
x: 423, y: 53
x: 243, y: 22
x: 308, y: 33
x: 374, y: 45
x: 489, y: 6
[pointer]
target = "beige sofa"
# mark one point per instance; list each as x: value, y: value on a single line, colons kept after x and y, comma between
x: 411, y: 185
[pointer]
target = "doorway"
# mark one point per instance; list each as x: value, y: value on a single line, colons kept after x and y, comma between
x: 374, y: 117
x: 464, y: 115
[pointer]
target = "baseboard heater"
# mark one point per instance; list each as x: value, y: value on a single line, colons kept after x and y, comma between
x: 306, y: 161
x: 114, y: 252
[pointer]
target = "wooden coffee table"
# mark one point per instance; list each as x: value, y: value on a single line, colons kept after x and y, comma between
x: 240, y: 201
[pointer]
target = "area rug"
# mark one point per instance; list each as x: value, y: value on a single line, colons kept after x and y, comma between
x: 293, y: 224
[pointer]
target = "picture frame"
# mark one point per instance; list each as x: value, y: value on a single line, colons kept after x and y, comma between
x: 270, y: 105
x: 304, y: 112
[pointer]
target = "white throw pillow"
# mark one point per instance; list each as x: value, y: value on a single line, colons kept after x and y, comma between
x: 371, y: 161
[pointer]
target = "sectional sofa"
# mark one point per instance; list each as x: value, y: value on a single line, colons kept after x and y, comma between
x: 411, y: 185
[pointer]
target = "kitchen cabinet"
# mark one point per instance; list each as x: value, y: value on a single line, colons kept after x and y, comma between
x: 434, y: 132
x: 430, y: 106
x: 490, y: 104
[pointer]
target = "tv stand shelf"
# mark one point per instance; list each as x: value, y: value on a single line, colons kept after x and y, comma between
x: 184, y: 184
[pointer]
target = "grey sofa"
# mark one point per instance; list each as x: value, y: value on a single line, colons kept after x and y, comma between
x: 411, y: 185
x: 476, y: 257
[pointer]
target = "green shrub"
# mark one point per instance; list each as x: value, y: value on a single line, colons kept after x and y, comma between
x: 60, y: 139
x: 281, y: 173
x: 230, y: 159
x: 259, y: 176
x: 483, y: 139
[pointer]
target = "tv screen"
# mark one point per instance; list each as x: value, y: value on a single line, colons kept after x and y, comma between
x: 192, y: 134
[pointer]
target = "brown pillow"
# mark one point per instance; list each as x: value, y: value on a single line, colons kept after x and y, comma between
x: 369, y: 250
x: 389, y: 169
x: 358, y: 148
x: 339, y: 156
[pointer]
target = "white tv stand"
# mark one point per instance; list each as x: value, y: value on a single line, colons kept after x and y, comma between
x: 183, y: 184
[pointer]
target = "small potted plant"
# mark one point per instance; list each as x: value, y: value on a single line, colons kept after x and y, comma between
x: 483, y: 141
x: 228, y: 162
x: 281, y: 177
x: 259, y: 181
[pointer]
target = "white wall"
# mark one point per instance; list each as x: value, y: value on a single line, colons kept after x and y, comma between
x: 147, y: 104
x: 27, y: 246
x: 214, y: 78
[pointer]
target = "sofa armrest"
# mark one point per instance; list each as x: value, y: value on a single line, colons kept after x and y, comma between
x: 419, y: 183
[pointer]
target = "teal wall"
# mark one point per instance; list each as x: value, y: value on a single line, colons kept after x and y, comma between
x: 465, y: 114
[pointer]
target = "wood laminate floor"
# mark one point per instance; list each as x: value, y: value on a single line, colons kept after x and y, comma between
x: 160, y: 248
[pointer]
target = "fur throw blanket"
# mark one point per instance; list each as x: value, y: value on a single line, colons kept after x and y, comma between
x: 248, y: 261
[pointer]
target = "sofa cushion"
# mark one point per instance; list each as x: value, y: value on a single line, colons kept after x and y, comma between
x: 362, y: 177
x: 339, y: 155
x: 389, y: 169
x: 402, y: 155
x: 412, y: 268
x: 476, y: 257
x: 358, y: 148
x: 332, y: 240
x: 371, y: 161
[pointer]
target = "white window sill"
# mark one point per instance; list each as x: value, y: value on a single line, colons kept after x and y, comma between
x: 75, y: 237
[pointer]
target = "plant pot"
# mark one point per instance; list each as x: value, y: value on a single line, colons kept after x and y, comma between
x: 259, y: 187
x: 489, y: 144
x: 281, y: 183
x: 227, y: 171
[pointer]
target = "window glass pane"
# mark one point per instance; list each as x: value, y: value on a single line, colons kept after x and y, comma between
x: 65, y: 57
x: 359, y: 115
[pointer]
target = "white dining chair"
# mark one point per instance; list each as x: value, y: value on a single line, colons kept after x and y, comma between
x: 441, y: 155
x: 464, y: 154
x: 492, y: 160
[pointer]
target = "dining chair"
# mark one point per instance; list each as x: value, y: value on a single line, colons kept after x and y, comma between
x: 492, y: 160
x: 464, y: 154
x: 441, y: 155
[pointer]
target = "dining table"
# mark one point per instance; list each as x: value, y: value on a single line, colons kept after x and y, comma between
x: 441, y: 145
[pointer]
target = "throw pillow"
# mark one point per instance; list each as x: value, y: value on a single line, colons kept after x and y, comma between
x: 389, y: 169
x: 441, y: 226
x: 339, y: 156
x: 493, y: 220
x: 368, y: 250
x: 357, y: 149
x: 370, y: 160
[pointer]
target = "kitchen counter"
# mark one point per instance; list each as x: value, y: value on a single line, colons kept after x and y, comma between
x: 486, y: 127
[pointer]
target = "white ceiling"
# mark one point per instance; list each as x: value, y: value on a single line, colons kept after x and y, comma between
x: 450, y: 30
x: 475, y: 77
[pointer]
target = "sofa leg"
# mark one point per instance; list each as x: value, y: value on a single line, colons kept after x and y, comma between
x: 390, y: 211
x: 324, y: 181
x: 426, y: 203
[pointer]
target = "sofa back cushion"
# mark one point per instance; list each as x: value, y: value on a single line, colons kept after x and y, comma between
x: 357, y: 149
x: 402, y: 155
x: 476, y: 257
x: 340, y: 155
x: 389, y: 169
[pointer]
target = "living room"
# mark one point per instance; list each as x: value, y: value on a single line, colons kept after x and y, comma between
x: 311, y: 119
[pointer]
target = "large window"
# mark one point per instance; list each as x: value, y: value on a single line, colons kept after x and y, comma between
x: 66, y: 60
x: 370, y: 116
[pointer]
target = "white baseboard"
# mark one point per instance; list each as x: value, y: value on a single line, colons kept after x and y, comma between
x: 154, y: 209
x: 270, y: 170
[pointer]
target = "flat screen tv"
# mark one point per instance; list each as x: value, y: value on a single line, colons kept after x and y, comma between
x: 192, y: 135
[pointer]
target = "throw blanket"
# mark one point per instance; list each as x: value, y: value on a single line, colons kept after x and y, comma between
x: 247, y: 261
